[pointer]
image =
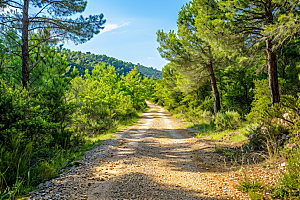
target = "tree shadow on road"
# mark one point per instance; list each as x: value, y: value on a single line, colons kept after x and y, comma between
x: 141, y: 186
x: 183, y: 155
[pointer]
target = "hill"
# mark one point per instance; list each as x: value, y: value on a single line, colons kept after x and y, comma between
x: 83, y: 61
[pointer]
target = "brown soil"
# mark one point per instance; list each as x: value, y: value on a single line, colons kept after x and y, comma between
x: 156, y: 159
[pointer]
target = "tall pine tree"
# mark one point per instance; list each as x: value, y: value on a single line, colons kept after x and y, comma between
x: 16, y: 17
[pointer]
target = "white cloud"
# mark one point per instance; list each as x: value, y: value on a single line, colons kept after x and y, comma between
x: 110, y: 27
x: 150, y: 58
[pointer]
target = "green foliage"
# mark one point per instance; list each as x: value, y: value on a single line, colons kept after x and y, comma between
x: 103, y: 99
x: 32, y: 120
x: 227, y: 120
x: 207, y: 116
x: 288, y: 186
x: 236, y: 89
x: 253, y: 187
x: 15, y: 158
x: 261, y: 100
x: 248, y: 185
x: 257, y: 140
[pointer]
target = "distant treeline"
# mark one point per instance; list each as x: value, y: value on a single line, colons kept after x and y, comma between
x: 83, y: 61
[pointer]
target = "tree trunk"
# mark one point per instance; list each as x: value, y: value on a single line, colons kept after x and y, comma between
x: 273, y: 76
x: 25, y: 53
x: 272, y: 60
x: 217, y: 104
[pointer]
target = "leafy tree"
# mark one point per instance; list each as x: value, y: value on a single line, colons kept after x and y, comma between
x: 133, y: 88
x: 55, y: 24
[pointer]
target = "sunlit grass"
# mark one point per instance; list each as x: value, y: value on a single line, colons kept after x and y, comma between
x: 208, y: 131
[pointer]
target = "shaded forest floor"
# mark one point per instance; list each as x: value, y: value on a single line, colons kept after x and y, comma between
x: 155, y: 159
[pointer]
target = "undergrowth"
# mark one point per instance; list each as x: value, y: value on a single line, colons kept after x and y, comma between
x: 47, y: 164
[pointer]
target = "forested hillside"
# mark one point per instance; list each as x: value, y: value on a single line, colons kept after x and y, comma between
x: 83, y: 61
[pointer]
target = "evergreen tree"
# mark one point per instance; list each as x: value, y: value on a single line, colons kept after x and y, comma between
x: 55, y: 24
x: 249, y: 19
x: 192, y: 55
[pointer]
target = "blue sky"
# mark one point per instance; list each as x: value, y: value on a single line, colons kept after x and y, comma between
x: 130, y: 33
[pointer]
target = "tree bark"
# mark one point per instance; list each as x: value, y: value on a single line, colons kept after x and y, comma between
x: 273, y: 75
x: 217, y: 103
x: 25, y: 53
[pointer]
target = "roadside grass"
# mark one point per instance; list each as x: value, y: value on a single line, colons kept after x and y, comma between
x: 208, y: 131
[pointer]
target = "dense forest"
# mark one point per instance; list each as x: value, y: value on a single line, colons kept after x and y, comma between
x: 233, y: 75
x: 83, y: 61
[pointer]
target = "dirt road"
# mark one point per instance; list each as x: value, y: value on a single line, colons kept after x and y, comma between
x: 156, y: 159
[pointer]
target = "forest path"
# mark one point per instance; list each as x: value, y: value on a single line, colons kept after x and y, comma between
x: 156, y: 159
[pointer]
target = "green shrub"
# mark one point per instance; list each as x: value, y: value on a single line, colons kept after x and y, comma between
x: 227, y: 120
x: 247, y: 185
x: 256, y: 196
x: 289, y: 184
x: 208, y: 104
x: 261, y: 100
x: 14, y: 164
x: 207, y: 116
x: 257, y: 139
x: 253, y: 187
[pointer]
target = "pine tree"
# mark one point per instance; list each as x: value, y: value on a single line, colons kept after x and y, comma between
x: 249, y: 19
x: 191, y: 55
x: 56, y: 25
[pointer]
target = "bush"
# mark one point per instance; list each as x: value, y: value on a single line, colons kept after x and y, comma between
x: 289, y: 184
x: 261, y: 100
x: 207, y: 116
x: 15, y: 163
x: 253, y: 187
x: 227, y: 120
x: 257, y: 139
